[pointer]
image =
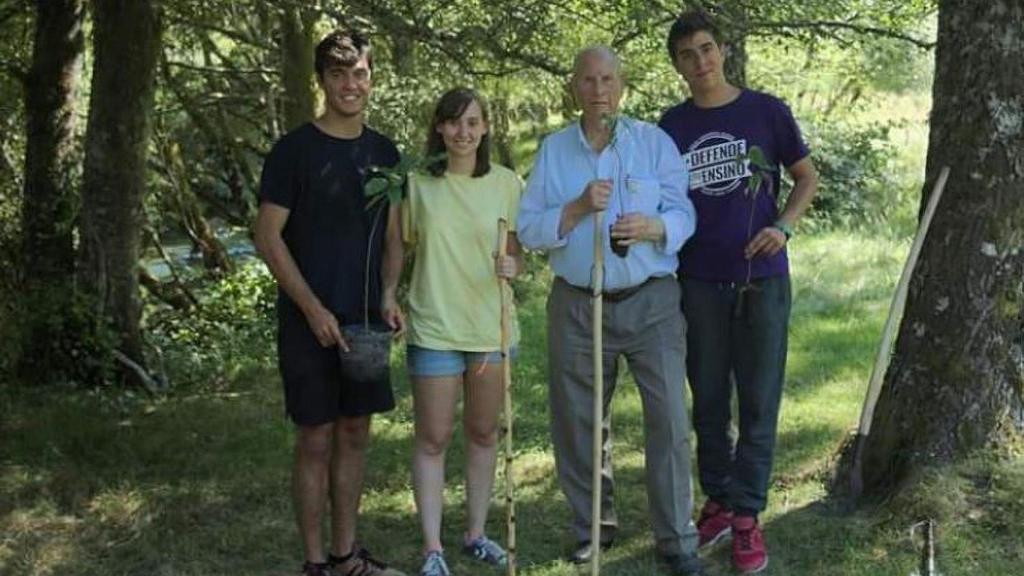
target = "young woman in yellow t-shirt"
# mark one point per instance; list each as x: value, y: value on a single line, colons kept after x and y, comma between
x: 449, y: 221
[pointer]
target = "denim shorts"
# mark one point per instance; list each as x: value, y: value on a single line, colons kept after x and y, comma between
x: 429, y: 362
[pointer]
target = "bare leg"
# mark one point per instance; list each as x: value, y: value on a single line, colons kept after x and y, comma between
x: 351, y: 437
x: 434, y: 405
x: 484, y: 397
x: 309, y: 485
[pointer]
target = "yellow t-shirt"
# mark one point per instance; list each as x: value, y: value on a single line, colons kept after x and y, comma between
x: 451, y: 225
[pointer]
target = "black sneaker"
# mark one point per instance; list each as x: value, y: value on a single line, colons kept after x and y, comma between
x: 359, y: 563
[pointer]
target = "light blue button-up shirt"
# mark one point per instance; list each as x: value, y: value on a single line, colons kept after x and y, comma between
x: 648, y: 176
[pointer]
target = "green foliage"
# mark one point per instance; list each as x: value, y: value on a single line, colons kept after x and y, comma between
x: 388, y: 182
x: 220, y: 98
x: 858, y: 186
x: 15, y: 48
x: 758, y: 167
x: 232, y: 328
x: 78, y: 348
x: 10, y: 248
x: 536, y: 276
x: 844, y: 94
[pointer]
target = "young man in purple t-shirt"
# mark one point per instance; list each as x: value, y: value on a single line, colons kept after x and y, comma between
x: 735, y: 277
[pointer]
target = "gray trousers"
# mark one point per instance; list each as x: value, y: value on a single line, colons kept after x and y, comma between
x: 648, y: 330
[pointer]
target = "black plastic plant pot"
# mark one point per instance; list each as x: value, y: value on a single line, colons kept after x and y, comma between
x: 620, y: 249
x: 369, y: 355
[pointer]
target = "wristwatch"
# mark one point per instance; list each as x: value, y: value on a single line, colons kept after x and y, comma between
x: 786, y: 229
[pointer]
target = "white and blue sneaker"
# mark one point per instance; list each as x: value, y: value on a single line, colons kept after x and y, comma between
x: 486, y: 550
x: 434, y: 565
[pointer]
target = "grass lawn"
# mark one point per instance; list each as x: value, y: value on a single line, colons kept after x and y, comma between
x: 197, y: 483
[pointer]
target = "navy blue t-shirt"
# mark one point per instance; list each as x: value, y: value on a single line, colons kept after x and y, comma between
x: 710, y: 139
x: 320, y: 178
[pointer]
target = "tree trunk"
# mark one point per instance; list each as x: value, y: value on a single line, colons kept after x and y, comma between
x: 501, y: 127
x: 735, y: 26
x: 182, y: 202
x: 299, y: 101
x: 48, y: 206
x: 735, y: 67
x: 403, y: 54
x: 956, y: 382
x: 126, y: 43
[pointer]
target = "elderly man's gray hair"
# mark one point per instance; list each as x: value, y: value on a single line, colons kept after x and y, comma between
x: 600, y: 51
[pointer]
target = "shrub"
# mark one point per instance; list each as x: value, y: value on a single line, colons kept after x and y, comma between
x: 232, y: 328
x: 858, y: 186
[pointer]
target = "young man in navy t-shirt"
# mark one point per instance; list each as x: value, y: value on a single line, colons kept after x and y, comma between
x: 315, y: 233
x: 735, y: 277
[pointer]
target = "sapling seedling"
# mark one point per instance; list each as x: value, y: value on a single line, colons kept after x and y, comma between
x: 385, y: 184
x: 754, y: 159
x: 611, y: 122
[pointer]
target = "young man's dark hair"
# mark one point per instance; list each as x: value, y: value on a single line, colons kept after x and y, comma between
x: 341, y: 47
x: 688, y: 24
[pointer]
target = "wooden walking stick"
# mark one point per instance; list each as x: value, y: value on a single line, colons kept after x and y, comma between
x: 597, y: 305
x: 899, y: 300
x: 506, y: 365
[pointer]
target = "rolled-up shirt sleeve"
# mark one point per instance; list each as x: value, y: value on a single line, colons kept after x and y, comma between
x: 676, y: 209
x: 540, y: 212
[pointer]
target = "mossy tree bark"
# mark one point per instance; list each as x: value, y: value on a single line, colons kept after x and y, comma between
x: 956, y: 382
x: 297, y: 43
x: 48, y: 207
x: 126, y: 37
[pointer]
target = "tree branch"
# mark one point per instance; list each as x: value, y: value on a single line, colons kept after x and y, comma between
x: 853, y: 27
x: 183, y: 299
x: 218, y: 69
x: 446, y: 43
x: 151, y: 384
x: 226, y: 32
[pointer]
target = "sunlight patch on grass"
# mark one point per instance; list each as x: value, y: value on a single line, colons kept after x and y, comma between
x: 37, y: 539
x: 124, y: 508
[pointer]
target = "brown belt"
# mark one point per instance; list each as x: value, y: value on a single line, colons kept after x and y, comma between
x: 609, y: 295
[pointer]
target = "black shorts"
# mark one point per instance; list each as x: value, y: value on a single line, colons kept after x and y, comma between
x: 315, y: 392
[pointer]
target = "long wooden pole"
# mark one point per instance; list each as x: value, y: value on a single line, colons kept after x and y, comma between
x: 597, y: 305
x: 506, y: 365
x: 899, y: 300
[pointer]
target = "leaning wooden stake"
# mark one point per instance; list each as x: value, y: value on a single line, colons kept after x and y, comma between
x: 926, y: 566
x: 506, y: 365
x: 899, y: 300
x: 597, y: 304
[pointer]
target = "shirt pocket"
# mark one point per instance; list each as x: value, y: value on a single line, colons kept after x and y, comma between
x: 644, y: 194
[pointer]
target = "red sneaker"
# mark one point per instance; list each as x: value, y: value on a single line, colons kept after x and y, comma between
x: 748, y: 553
x: 714, y: 524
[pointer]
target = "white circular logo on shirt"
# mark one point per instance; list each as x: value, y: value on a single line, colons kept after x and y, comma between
x: 713, y: 163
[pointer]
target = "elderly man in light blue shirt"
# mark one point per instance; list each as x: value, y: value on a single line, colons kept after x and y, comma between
x: 633, y: 172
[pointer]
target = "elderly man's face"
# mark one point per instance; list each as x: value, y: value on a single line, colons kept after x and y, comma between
x: 598, y: 85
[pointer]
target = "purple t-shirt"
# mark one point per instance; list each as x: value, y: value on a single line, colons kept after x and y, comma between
x: 710, y: 139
